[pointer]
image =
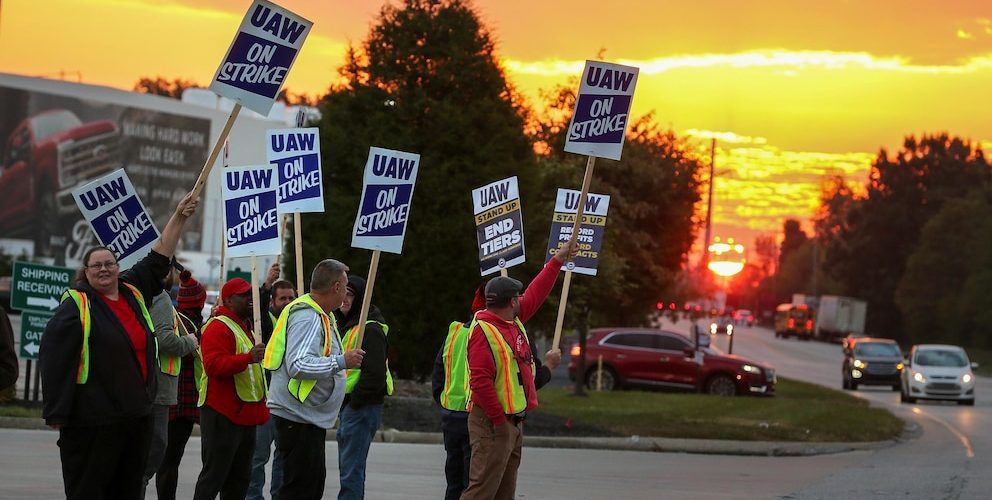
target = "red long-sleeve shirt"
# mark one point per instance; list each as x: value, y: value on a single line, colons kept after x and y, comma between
x: 220, y: 363
x: 482, y: 365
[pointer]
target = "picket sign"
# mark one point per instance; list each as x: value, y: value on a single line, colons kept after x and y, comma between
x: 579, y: 212
x: 387, y: 193
x: 597, y: 129
x: 111, y: 206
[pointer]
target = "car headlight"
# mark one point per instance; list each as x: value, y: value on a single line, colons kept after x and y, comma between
x: 751, y: 369
x: 966, y: 378
x: 713, y: 328
x: 919, y: 377
x: 900, y: 366
x: 859, y: 364
x: 730, y: 329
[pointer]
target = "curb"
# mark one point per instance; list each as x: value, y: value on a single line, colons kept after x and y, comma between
x: 633, y: 443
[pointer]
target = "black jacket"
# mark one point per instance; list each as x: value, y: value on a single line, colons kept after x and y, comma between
x: 542, y: 375
x: 8, y: 356
x: 115, y: 390
x: 371, y: 386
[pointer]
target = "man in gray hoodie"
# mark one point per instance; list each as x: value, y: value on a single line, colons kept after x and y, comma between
x: 173, y: 344
x: 308, y: 380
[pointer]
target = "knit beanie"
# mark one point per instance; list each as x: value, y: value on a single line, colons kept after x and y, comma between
x: 191, y: 292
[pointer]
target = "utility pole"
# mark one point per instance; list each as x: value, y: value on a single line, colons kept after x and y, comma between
x: 709, y: 209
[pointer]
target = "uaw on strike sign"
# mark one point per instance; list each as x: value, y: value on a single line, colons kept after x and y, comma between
x: 591, y: 232
x: 251, y: 211
x: 386, y: 196
x: 499, y: 225
x: 295, y: 154
x: 118, y: 218
x: 258, y: 60
x: 602, y: 108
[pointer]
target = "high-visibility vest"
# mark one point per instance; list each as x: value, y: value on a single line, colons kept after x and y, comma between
x: 457, y: 392
x: 509, y: 385
x: 83, y: 304
x: 250, y: 383
x: 197, y: 356
x: 170, y: 365
x: 275, y: 351
x: 348, y: 343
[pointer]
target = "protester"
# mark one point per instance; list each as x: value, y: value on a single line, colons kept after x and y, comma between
x: 172, y: 346
x: 185, y: 413
x: 98, y: 364
x: 450, y: 386
x: 365, y: 389
x: 232, y: 396
x: 8, y: 358
x: 274, y: 295
x: 502, y: 379
x: 308, y: 379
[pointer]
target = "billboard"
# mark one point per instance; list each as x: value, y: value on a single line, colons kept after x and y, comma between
x: 52, y: 144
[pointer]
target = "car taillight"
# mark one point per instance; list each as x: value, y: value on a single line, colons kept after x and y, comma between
x: 792, y: 323
x: 576, y: 350
x: 809, y: 324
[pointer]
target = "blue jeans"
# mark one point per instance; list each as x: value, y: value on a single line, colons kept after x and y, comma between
x: 264, y: 435
x: 355, y: 434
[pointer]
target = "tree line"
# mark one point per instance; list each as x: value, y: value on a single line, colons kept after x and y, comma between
x: 916, y: 244
x: 427, y: 79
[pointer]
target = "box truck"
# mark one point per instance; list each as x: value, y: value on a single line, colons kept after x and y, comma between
x: 839, y: 317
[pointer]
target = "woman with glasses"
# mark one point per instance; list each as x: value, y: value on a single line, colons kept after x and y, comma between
x: 98, y: 362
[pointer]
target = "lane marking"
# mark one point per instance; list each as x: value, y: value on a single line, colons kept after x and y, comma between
x: 969, y: 452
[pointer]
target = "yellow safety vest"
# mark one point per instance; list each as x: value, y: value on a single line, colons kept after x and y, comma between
x: 83, y: 304
x: 457, y: 392
x: 348, y: 343
x: 197, y: 356
x: 275, y: 351
x: 509, y: 386
x: 170, y: 365
x: 250, y: 383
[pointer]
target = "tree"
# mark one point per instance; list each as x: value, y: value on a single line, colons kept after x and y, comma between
x: 870, y: 239
x: 425, y: 80
x: 164, y: 87
x: 943, y: 295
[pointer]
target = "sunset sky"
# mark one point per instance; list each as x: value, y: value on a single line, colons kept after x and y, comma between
x: 792, y: 89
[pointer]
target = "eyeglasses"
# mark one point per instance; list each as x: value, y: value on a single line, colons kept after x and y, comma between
x: 110, y: 266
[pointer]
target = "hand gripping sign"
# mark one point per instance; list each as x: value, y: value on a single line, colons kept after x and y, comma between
x: 383, y: 212
x: 499, y: 225
x: 112, y: 207
x: 591, y: 231
x: 257, y: 62
x: 251, y: 218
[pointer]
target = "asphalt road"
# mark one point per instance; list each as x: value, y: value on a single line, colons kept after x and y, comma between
x: 949, y: 459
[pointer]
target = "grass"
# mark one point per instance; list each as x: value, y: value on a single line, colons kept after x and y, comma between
x: 14, y: 410
x: 798, y: 412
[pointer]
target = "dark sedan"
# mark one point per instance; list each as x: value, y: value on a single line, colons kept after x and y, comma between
x: 872, y: 361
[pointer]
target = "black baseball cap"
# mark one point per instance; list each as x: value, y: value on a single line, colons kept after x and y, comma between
x: 502, y: 287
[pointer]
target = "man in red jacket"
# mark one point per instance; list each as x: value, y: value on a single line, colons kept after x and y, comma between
x: 232, y: 396
x: 502, y: 370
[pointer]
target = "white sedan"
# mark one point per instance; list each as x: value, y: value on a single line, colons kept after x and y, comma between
x: 937, y: 371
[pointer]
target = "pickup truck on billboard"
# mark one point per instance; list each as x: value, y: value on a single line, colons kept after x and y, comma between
x: 44, y: 158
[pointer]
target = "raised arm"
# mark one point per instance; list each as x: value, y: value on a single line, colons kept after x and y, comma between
x: 166, y: 245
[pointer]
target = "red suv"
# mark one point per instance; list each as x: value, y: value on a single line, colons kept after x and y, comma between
x: 657, y: 358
